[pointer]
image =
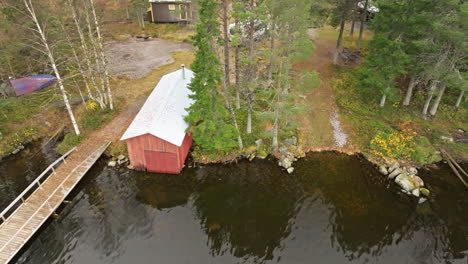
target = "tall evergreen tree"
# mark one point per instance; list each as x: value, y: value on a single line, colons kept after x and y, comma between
x: 210, y: 119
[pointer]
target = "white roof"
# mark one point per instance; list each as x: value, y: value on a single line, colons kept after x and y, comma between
x: 163, y: 113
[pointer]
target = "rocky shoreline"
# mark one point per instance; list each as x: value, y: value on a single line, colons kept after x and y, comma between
x: 407, y: 179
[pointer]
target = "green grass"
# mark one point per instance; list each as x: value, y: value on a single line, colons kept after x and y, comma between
x: 173, y: 32
x: 93, y: 120
x: 69, y: 141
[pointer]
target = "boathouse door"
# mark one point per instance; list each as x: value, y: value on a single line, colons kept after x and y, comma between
x: 164, y: 162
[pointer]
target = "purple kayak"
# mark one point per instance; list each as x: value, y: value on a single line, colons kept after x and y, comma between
x: 32, y: 83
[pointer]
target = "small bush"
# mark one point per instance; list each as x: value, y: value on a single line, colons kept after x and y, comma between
x: 69, y: 141
x: 96, y: 119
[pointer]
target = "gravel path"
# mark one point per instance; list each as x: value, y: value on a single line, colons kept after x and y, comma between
x: 135, y: 58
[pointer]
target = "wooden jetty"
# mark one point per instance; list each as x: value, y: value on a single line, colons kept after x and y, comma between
x: 26, y: 214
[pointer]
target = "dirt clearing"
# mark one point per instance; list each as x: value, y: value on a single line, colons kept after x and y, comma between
x: 135, y: 58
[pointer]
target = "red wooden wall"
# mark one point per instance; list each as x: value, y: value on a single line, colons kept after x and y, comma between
x: 151, y: 153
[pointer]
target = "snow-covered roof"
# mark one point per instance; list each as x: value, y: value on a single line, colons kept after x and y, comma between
x: 163, y: 113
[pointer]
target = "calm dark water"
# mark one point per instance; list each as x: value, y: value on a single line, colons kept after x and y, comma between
x: 333, y: 209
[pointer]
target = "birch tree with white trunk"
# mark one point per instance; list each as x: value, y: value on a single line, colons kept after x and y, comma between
x: 48, y: 52
x: 102, y: 55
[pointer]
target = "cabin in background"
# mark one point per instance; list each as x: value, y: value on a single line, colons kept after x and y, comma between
x: 171, y: 11
x: 156, y: 139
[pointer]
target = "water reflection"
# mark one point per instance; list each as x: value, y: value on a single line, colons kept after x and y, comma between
x: 18, y: 171
x: 333, y: 209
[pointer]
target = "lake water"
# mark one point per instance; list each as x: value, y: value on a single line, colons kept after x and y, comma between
x: 334, y: 208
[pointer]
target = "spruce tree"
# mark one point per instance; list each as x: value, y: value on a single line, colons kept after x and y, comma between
x: 209, y: 118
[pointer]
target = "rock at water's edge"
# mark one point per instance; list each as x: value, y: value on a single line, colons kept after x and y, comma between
x: 290, y: 170
x: 405, y: 182
x: 417, y: 181
x: 394, y: 173
x: 112, y: 163
x: 383, y: 170
x: 393, y: 167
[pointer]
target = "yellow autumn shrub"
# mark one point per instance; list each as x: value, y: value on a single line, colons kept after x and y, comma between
x: 396, y: 144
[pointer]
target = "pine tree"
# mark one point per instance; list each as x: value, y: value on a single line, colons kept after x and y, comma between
x: 210, y: 119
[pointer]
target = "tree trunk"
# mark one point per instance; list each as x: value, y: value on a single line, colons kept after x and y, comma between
x: 237, y: 69
x: 227, y: 70
x: 103, y: 57
x: 354, y: 13
x: 409, y: 92
x: 272, y: 47
x: 437, y: 100
x: 87, y: 57
x: 249, y: 116
x: 382, y: 100
x: 429, y: 97
x: 250, y: 69
x: 30, y: 8
x: 141, y: 18
x: 460, y: 97
x: 361, y: 26
x: 101, y: 89
x: 338, y: 42
x: 274, y: 143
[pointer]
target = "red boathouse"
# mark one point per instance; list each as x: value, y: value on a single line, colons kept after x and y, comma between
x: 156, y: 139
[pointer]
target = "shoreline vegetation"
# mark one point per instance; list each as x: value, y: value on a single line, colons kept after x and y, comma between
x: 382, y: 135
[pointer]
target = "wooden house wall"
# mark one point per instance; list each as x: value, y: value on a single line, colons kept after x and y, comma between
x: 149, y: 144
x: 184, y: 149
x: 136, y: 148
x: 162, y: 14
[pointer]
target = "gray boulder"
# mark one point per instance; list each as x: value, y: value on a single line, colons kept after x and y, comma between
x: 394, y: 166
x: 417, y: 181
x: 412, y: 171
x: 112, y: 163
x: 405, y: 182
x: 285, y: 163
x: 383, y: 170
x: 394, y: 173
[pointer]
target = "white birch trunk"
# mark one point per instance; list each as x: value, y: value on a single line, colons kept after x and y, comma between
x: 103, y: 57
x: 460, y: 97
x: 48, y: 51
x: 274, y: 143
x: 409, y: 92
x: 429, y: 97
x: 249, y: 115
x: 87, y: 56
x: 91, y: 37
x: 382, y: 100
x: 384, y: 97
x: 437, y: 100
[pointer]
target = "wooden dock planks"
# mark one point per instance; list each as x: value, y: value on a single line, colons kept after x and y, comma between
x: 21, y: 225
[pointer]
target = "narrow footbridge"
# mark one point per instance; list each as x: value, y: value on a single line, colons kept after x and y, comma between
x: 26, y: 214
